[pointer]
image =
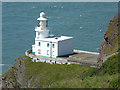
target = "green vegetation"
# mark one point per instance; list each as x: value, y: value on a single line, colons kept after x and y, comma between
x: 112, y: 34
x: 46, y: 75
x: 68, y: 76
x: 104, y: 77
x: 10, y: 76
x: 109, y: 67
x: 114, y: 84
x: 118, y: 50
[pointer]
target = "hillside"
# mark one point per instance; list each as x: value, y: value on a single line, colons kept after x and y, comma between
x: 26, y: 74
x: 110, y: 43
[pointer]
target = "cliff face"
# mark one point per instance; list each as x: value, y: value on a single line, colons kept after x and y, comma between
x: 14, y: 77
x: 110, y: 43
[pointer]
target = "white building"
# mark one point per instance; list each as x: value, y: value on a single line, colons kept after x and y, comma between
x: 50, y: 46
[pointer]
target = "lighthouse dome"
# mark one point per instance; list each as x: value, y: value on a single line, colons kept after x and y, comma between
x: 42, y: 14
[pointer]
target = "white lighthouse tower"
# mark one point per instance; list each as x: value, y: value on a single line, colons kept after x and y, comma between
x: 50, y: 46
x: 41, y: 29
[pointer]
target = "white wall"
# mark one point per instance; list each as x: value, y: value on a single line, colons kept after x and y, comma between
x: 33, y: 48
x: 43, y: 47
x: 61, y: 48
x: 65, y: 47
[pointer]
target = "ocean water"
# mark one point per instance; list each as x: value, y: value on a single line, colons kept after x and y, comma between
x: 86, y: 22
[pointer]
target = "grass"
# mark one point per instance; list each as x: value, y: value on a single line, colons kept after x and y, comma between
x: 88, y: 82
x: 112, y: 33
x: 43, y: 75
x: 114, y: 84
x: 72, y: 76
x: 110, y: 66
x: 49, y: 74
x: 108, y: 71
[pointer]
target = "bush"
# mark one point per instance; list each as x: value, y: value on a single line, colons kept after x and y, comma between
x: 114, y: 84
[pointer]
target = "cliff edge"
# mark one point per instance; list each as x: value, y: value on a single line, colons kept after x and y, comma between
x: 109, y: 44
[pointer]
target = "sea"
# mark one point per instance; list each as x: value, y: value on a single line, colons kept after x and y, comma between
x: 86, y: 22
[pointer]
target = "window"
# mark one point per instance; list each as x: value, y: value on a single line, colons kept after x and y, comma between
x: 39, y: 44
x: 47, y: 44
x: 38, y: 23
x: 53, y: 45
x: 39, y: 51
x: 47, y: 52
x: 47, y: 23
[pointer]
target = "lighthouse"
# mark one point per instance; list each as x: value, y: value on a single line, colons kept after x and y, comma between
x: 41, y: 29
x: 49, y: 45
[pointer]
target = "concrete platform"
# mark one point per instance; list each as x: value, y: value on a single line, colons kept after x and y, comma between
x: 78, y: 57
x: 83, y: 58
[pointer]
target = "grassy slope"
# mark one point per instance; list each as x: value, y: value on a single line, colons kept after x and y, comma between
x: 46, y: 75
x: 108, y: 71
x: 68, y: 76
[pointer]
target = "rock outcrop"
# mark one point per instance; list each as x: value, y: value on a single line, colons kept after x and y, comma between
x: 14, y: 77
x: 110, y: 43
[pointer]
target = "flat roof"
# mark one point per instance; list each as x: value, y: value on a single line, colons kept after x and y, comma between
x: 54, y: 38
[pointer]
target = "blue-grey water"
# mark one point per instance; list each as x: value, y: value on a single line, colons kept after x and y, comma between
x: 86, y: 22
